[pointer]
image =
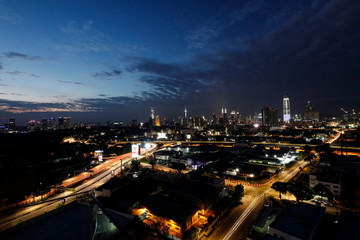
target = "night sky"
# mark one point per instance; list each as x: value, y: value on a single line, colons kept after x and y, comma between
x: 113, y: 60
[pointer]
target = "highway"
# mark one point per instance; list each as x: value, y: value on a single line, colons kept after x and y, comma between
x: 31, y: 212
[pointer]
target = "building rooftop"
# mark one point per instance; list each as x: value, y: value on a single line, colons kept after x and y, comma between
x: 298, y: 220
x: 169, y: 208
x: 72, y: 221
x: 197, y: 189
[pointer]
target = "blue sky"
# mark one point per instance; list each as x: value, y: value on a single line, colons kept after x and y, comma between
x: 113, y: 60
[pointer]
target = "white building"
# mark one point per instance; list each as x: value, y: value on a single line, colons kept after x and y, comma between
x: 332, y: 184
x: 286, y: 108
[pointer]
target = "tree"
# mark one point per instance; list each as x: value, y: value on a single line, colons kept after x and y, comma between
x: 238, y: 192
x: 323, y: 191
x: 135, y: 164
x: 152, y: 161
x: 280, y: 187
x: 300, y: 192
x: 307, y: 149
x: 323, y: 148
x: 178, y: 166
x: 191, y: 233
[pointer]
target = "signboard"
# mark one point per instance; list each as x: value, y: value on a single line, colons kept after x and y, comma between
x: 135, y: 149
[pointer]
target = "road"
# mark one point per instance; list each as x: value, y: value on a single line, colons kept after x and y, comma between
x: 241, y: 218
x: 31, y: 212
x: 238, y: 224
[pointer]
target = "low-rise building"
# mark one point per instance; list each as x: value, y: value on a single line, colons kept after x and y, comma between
x: 332, y: 183
x: 298, y: 222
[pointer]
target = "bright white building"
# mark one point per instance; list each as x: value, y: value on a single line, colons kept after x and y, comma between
x: 286, y: 108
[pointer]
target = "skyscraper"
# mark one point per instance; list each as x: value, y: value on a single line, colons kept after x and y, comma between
x: 152, y: 116
x: 311, y: 114
x: 157, y: 121
x: 286, y: 108
x: 270, y: 116
x: 12, y: 125
x: 64, y: 122
x: 185, y: 113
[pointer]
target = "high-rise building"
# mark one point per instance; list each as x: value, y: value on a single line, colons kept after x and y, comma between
x: 12, y: 125
x: 214, y: 119
x: 185, y: 113
x: 270, y: 116
x: 157, y: 121
x: 286, y: 108
x: 223, y: 119
x: 64, y: 122
x: 152, y: 116
x: 311, y: 114
x: 32, y: 125
x: 48, y: 124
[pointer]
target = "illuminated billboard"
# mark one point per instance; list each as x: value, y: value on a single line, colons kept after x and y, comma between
x: 135, y: 149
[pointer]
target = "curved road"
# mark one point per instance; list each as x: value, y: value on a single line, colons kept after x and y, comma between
x: 41, y: 208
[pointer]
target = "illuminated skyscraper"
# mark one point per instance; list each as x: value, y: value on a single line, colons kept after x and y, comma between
x: 185, y: 113
x: 286, y: 108
x: 32, y: 125
x: 152, y: 116
x: 157, y: 121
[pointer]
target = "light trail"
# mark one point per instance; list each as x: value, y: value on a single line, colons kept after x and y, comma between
x: 42, y: 208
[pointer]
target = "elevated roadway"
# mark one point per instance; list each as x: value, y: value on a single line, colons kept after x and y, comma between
x: 33, y: 211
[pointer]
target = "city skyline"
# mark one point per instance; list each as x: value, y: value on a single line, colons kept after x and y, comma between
x: 110, y: 62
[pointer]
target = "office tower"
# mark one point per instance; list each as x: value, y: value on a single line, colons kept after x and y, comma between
x: 214, y: 119
x: 152, y: 116
x: 12, y: 125
x: 270, y: 116
x: 286, y: 108
x: 185, y: 113
x: 311, y: 114
x: 32, y: 125
x: 157, y: 121
x: 48, y: 124
x: 64, y: 122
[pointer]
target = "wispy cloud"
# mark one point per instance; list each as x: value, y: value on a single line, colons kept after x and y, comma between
x: 107, y: 75
x: 22, y: 56
x: 86, y: 38
x: 203, y: 33
x: 68, y: 82
x: 210, y: 29
x: 20, y: 73
x: 19, y: 107
x: 7, y: 14
x: 12, y: 94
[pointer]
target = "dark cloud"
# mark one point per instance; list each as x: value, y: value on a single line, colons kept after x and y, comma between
x: 22, y: 56
x: 107, y: 75
x: 76, y: 83
x: 316, y: 53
